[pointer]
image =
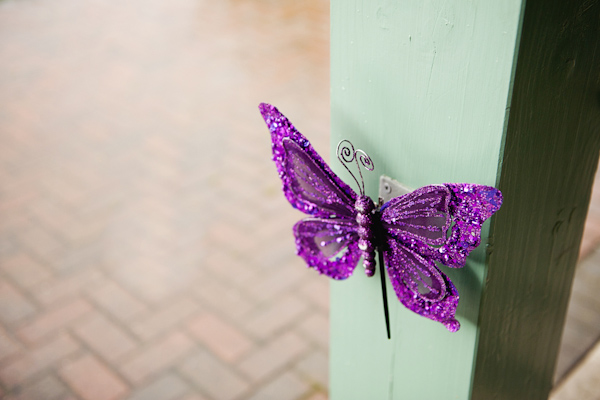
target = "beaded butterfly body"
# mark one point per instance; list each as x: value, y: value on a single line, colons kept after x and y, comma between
x: 409, y: 231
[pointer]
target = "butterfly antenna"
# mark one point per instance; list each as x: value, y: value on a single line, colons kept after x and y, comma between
x: 346, y: 154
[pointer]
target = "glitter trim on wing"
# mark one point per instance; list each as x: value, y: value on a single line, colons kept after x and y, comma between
x: 470, y: 206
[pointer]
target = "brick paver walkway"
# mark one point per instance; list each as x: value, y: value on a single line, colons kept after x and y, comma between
x: 582, y: 325
x: 145, y: 246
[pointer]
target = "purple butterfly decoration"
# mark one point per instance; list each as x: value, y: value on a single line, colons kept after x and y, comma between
x: 411, y: 232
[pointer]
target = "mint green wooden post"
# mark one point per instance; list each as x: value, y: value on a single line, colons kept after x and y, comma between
x: 425, y: 88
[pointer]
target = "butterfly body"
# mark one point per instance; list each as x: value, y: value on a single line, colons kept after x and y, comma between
x: 411, y: 232
x: 367, y: 218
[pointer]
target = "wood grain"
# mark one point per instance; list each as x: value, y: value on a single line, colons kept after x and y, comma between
x: 422, y: 87
x: 551, y: 154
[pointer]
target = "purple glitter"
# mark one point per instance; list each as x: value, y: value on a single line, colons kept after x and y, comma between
x: 410, y: 230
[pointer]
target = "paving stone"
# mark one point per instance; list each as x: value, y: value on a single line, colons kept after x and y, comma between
x: 53, y: 321
x: 156, y: 357
x: 8, y: 346
x: 582, y: 325
x: 316, y: 327
x: 118, y: 302
x: 194, y: 396
x: 318, y: 396
x: 287, y: 386
x: 25, y: 271
x: 317, y: 291
x: 167, y: 387
x: 71, y: 229
x: 581, y: 311
x: 92, y: 380
x: 229, y: 267
x: 37, y: 359
x: 275, y: 316
x: 164, y: 319
x: 215, y: 378
x: 148, y: 282
x: 40, y: 242
x: 222, y: 338
x: 14, y: 306
x: 46, y: 388
x: 105, y: 337
x: 224, y: 298
x: 591, y: 238
x: 81, y: 256
x: 268, y: 286
x: 228, y: 235
x: 582, y: 382
x: 314, y: 367
x: 67, y: 287
x: 277, y: 354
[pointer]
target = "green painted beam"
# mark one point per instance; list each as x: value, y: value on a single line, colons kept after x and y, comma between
x: 424, y: 87
x: 549, y: 163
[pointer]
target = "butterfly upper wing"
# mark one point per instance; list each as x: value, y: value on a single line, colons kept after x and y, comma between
x: 308, y: 182
x: 421, y: 215
x: 329, y: 241
x: 420, y: 285
x: 328, y: 245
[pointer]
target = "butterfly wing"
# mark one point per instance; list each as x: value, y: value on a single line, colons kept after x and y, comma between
x: 328, y: 245
x: 421, y: 219
x: 328, y: 242
x: 308, y: 182
x: 416, y: 227
x: 470, y: 206
x: 420, y: 216
x: 420, y: 285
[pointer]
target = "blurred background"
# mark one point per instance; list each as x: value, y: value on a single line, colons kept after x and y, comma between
x: 145, y: 246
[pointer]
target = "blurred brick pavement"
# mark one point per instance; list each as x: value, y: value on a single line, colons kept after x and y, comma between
x: 145, y: 247
x: 581, y: 331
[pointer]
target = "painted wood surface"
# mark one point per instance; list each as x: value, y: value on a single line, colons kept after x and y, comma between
x: 422, y: 87
x: 426, y: 88
x: 551, y: 154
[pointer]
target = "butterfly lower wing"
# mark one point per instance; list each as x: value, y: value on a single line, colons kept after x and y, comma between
x: 420, y: 285
x: 470, y: 206
x: 308, y: 182
x: 328, y: 245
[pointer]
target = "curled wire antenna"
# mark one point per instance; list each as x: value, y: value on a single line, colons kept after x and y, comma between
x: 346, y: 154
